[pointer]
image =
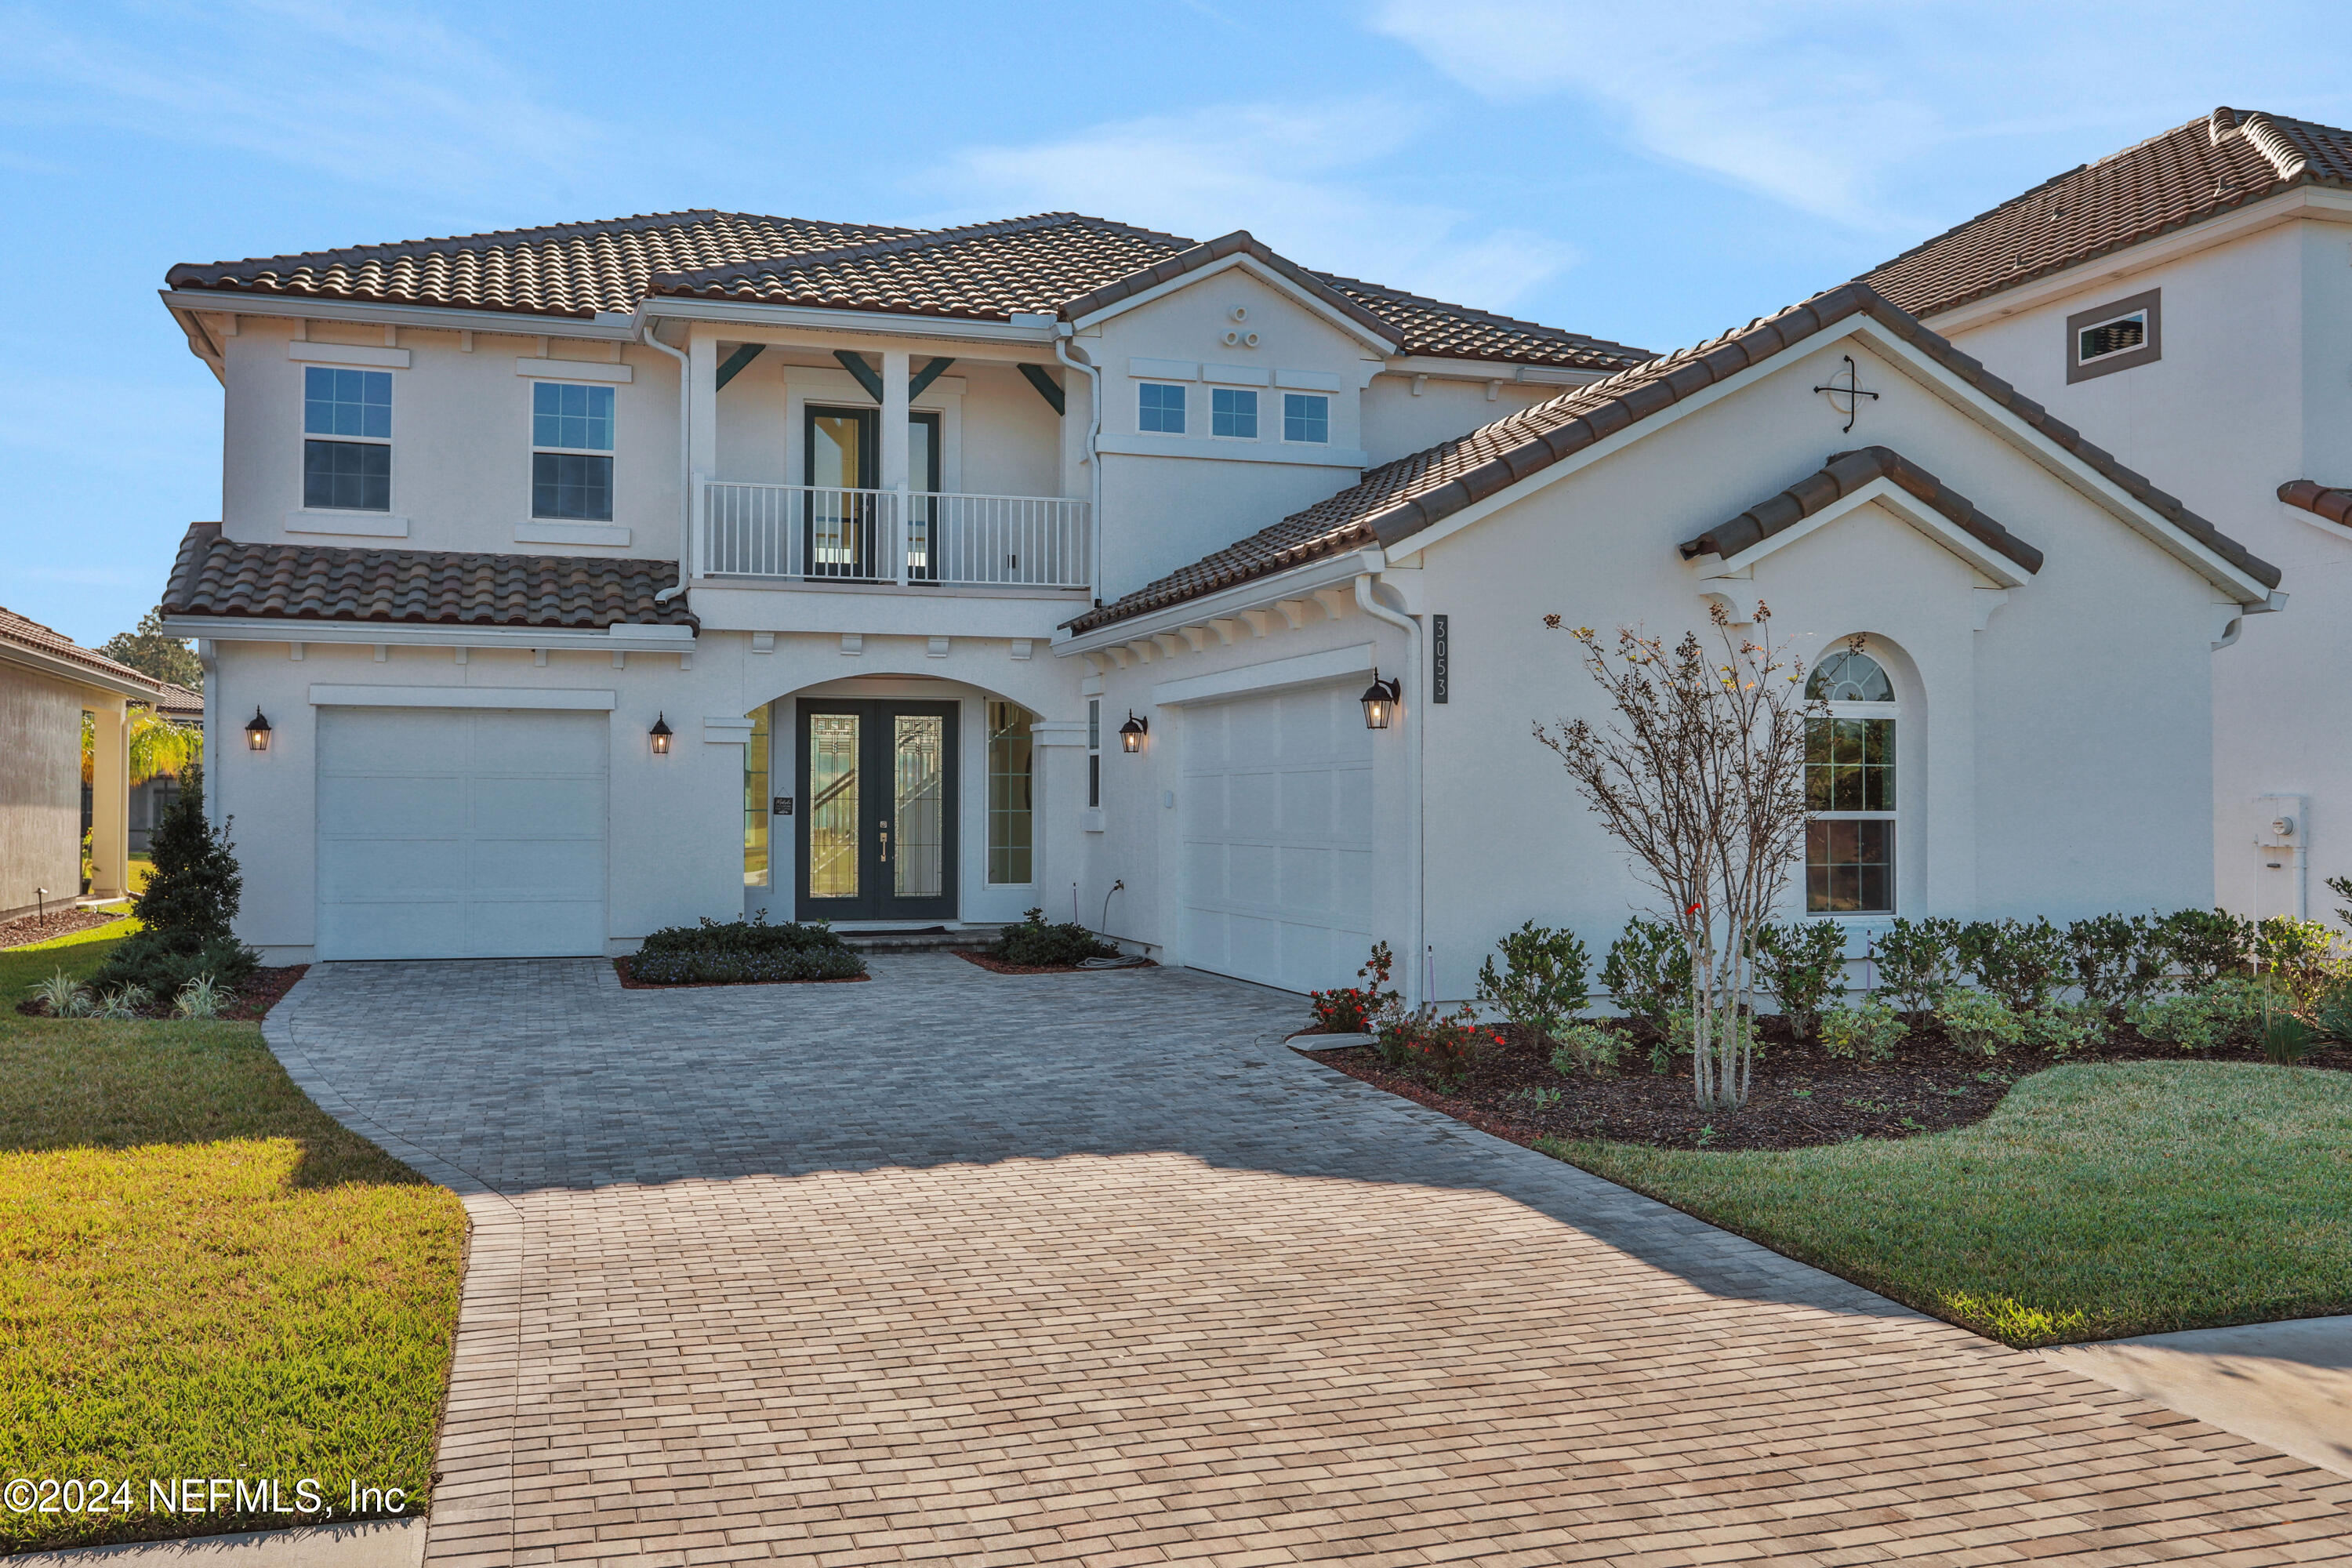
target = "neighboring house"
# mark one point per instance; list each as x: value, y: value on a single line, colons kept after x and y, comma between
x: 2188, y: 302
x: 150, y: 797
x: 592, y: 579
x: 47, y: 681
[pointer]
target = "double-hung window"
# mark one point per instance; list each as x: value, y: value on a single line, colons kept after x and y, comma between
x: 1233, y: 411
x: 1160, y: 408
x: 570, y: 451
x: 347, y: 444
x: 1306, y: 416
x: 1850, y: 788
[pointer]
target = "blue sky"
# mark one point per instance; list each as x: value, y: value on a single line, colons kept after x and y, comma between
x: 1651, y: 172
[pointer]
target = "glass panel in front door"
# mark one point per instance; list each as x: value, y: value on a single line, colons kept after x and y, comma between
x: 833, y: 806
x: 918, y: 766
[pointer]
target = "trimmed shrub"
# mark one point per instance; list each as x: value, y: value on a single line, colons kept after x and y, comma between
x: 2205, y: 945
x: 754, y: 935
x: 1033, y: 943
x: 1587, y: 1048
x: 2228, y: 1011
x: 2021, y: 961
x: 163, y: 962
x: 1868, y: 1033
x: 1648, y: 973
x: 1980, y: 1022
x: 2300, y: 955
x: 1918, y: 961
x: 1803, y: 963
x: 1542, y: 986
x: 2066, y: 1028
x: 718, y: 967
x: 2116, y: 958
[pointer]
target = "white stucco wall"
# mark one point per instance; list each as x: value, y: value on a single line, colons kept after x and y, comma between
x: 1400, y: 421
x: 2254, y: 388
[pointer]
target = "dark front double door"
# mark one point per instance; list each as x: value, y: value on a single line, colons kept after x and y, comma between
x: 877, y: 833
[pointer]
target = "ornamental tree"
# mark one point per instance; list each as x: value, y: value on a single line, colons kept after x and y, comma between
x: 1699, y: 772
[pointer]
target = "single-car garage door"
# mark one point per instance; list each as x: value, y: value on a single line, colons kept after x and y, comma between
x: 452, y: 833
x: 1276, y: 812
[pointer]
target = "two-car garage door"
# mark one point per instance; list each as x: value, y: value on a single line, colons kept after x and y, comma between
x: 461, y: 832
x: 1278, y: 828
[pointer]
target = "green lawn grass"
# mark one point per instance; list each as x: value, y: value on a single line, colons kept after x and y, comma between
x: 202, y: 1274
x: 2094, y: 1202
x: 79, y: 954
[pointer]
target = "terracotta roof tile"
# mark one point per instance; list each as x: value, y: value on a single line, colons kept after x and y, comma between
x: 214, y: 576
x: 2212, y: 165
x: 1845, y: 473
x: 30, y: 634
x: 1398, y: 499
x: 2321, y: 500
x: 1054, y: 263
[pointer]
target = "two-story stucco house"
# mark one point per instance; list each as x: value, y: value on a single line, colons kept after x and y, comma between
x: 572, y: 583
x: 2188, y: 302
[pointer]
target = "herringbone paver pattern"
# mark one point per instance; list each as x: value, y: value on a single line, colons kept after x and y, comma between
x: 964, y: 1269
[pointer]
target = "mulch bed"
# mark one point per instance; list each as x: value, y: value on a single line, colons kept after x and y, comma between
x: 27, y: 929
x: 998, y: 965
x: 1801, y: 1097
x: 251, y: 1004
x: 631, y: 982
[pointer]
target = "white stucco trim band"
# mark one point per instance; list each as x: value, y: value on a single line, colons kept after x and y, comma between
x: 786, y: 320
x: 1274, y: 675
x: 463, y: 697
x: 621, y: 638
x: 610, y: 326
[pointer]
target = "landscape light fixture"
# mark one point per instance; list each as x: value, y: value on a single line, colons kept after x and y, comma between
x: 660, y: 734
x: 256, y: 732
x: 1380, y: 701
x: 1131, y: 733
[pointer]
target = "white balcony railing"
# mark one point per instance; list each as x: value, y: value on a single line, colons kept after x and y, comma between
x: 816, y: 534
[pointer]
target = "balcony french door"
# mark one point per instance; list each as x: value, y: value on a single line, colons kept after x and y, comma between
x: 877, y: 832
x: 844, y: 533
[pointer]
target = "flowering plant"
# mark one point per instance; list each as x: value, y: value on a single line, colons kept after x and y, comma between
x: 1350, y: 1009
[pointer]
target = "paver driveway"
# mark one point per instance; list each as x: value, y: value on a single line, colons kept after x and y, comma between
x: 961, y: 1267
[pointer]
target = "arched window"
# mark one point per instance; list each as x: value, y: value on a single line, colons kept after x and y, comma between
x: 1850, y: 788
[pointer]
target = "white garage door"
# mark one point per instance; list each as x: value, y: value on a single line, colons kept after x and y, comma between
x: 452, y: 833
x: 1276, y: 809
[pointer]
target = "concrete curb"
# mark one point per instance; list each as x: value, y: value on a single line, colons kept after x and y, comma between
x: 375, y: 1544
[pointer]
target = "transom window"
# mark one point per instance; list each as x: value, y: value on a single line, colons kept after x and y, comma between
x: 1850, y: 788
x: 1233, y: 411
x: 2120, y: 335
x: 1306, y: 418
x: 1162, y: 409
x: 571, y: 445
x: 1094, y: 753
x: 1010, y: 756
x: 352, y: 471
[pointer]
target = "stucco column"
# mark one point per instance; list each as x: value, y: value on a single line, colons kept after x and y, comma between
x: 110, y: 800
x: 894, y: 475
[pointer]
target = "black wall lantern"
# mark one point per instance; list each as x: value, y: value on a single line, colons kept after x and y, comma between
x: 660, y: 734
x: 256, y: 732
x: 1131, y: 733
x: 1380, y: 701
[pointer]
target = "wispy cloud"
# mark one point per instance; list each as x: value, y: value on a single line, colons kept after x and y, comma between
x: 1841, y: 108
x: 1306, y: 180
x: 380, y: 97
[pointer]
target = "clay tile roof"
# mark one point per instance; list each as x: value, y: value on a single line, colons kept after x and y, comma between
x: 2212, y: 166
x: 2335, y: 505
x: 1052, y: 263
x: 30, y: 634
x: 569, y: 269
x: 1398, y: 499
x: 1845, y: 473
x: 214, y: 576
x: 178, y: 701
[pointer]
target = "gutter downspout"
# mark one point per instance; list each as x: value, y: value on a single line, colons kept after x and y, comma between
x: 1421, y: 981
x: 645, y: 334
x: 1063, y: 332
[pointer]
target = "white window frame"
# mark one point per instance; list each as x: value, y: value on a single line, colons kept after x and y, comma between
x: 988, y: 812
x: 2139, y: 315
x: 1183, y: 409
x: 302, y: 461
x: 1322, y: 398
x: 1094, y: 754
x: 1892, y: 711
x: 610, y: 454
x: 1256, y: 415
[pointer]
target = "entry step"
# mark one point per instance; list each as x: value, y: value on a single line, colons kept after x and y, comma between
x: 925, y: 938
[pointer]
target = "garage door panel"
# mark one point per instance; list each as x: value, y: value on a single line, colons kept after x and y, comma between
x: 461, y: 833
x: 540, y: 808
x: 1278, y: 858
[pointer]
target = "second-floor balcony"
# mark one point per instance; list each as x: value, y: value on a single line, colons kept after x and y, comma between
x: 798, y: 536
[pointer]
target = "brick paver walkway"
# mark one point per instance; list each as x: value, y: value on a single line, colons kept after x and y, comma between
x: 958, y: 1268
